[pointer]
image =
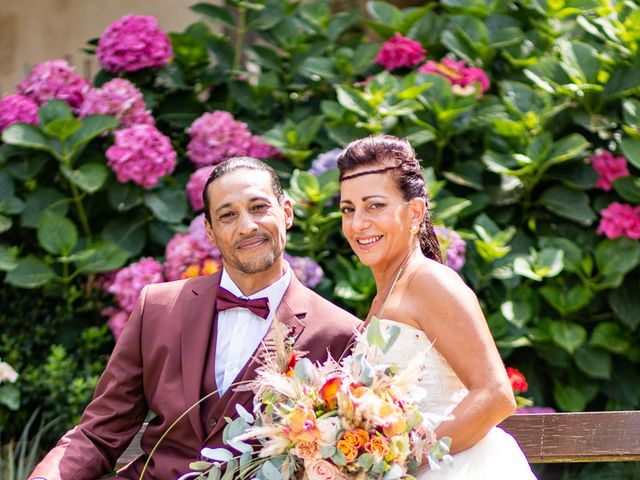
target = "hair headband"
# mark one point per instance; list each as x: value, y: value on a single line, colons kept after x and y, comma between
x: 367, y: 172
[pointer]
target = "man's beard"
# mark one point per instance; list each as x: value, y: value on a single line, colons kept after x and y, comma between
x: 256, y: 265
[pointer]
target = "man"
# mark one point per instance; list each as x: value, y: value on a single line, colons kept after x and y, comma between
x: 191, y: 337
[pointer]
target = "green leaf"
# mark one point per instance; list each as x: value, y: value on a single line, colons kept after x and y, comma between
x: 5, y: 223
x: 214, y: 11
x: 54, y: 110
x: 631, y: 149
x: 42, y: 200
x: 125, y: 196
x: 568, y: 203
x: 57, y: 234
x: 569, y: 398
x: 595, y: 363
x: 200, y: 465
x: 449, y: 207
x: 623, y: 79
x: 617, y: 257
x: 30, y: 272
x: 89, y: 177
x: 8, y: 259
x: 566, y: 300
x: 321, y: 66
x: 628, y: 188
x: 610, y: 337
x: 27, y: 136
x: 27, y: 166
x: 567, y: 148
x: 625, y: 302
x: 168, y: 204
x: 92, y: 126
x: 128, y: 232
x: 385, y: 13
x: 100, y: 257
x: 10, y: 397
x: 62, y: 129
x: 351, y: 99
x: 568, y: 335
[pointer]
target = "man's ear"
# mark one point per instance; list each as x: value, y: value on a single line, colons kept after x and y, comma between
x: 288, y: 213
x: 209, y: 230
x: 418, y: 208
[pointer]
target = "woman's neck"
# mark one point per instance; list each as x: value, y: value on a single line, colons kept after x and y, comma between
x: 386, y: 275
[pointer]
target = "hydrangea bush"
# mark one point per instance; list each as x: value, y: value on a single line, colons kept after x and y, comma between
x: 525, y: 115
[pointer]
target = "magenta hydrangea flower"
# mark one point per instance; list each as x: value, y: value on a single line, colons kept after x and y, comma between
x: 54, y: 79
x: 186, y: 256
x: 260, y: 149
x: 117, y: 320
x: 620, y: 220
x: 132, y: 43
x: 17, y: 108
x: 306, y: 270
x: 198, y: 233
x: 453, y: 246
x: 216, y: 137
x: 463, y: 79
x: 120, y: 98
x: 129, y: 281
x: 325, y: 162
x: 141, y: 154
x: 195, y: 186
x: 609, y: 168
x: 399, y: 51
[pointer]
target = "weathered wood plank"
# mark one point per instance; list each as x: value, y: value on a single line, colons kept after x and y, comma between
x: 577, y: 437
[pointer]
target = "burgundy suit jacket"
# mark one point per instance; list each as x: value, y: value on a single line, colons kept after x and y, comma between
x: 158, y: 365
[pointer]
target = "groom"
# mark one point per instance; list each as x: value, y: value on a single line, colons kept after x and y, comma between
x: 191, y: 337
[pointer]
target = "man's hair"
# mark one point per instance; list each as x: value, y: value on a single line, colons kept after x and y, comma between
x: 237, y: 163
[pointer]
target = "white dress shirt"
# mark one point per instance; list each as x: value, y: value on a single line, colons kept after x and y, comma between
x: 240, y: 331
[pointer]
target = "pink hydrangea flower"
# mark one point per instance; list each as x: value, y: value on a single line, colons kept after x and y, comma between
x: 399, y: 51
x: 620, y: 220
x: 216, y: 137
x: 132, y: 43
x: 120, y: 98
x: 260, y: 149
x: 129, y: 281
x: 54, y: 79
x: 117, y: 320
x: 609, y: 168
x: 17, y: 108
x: 453, y: 245
x: 186, y: 256
x: 198, y: 233
x: 141, y: 154
x: 195, y: 186
x: 463, y: 78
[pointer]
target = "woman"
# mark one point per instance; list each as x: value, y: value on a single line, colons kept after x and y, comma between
x: 387, y: 223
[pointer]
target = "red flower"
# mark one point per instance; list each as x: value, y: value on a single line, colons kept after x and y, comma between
x: 518, y: 380
x: 291, y: 364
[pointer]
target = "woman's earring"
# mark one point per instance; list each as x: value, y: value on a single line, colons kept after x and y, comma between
x: 414, y: 229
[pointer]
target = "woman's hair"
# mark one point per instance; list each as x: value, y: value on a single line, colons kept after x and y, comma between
x: 386, y: 153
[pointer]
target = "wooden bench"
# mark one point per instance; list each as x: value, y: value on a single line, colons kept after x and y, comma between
x: 552, y: 437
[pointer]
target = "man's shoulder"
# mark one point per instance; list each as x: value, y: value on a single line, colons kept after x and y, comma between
x: 329, y: 310
x: 196, y: 285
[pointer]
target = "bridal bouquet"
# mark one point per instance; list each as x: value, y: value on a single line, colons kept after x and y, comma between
x: 352, y: 419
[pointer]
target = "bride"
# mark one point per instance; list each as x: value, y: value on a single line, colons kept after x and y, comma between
x: 386, y: 221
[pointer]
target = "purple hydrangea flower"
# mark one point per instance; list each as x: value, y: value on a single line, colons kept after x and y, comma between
x: 199, y: 235
x: 216, y: 137
x: 306, y: 270
x: 17, y: 108
x: 453, y: 246
x: 195, y: 186
x: 260, y: 149
x: 132, y: 43
x: 129, y: 281
x: 54, y: 79
x: 325, y: 162
x: 119, y: 98
x: 141, y: 154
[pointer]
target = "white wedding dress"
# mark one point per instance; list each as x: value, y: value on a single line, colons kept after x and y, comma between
x: 496, y: 456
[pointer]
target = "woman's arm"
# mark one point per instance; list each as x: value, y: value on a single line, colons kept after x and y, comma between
x: 456, y: 325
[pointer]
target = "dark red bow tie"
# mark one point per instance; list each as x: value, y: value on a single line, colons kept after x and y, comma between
x: 227, y: 300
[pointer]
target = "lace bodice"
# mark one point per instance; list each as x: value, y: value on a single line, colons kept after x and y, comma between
x: 444, y: 388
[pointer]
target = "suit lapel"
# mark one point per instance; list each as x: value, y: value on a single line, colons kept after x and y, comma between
x: 292, y: 313
x: 197, y: 313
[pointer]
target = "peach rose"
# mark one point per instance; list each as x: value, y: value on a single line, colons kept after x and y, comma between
x: 321, y: 470
x: 378, y: 446
x: 306, y: 450
x: 350, y: 452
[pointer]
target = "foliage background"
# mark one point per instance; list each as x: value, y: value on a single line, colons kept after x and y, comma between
x: 509, y: 170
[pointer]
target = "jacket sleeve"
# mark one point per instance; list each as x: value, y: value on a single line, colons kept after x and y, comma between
x: 111, y: 420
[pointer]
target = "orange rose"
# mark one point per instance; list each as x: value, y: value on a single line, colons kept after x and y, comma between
x: 378, y: 446
x: 357, y: 437
x: 350, y: 452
